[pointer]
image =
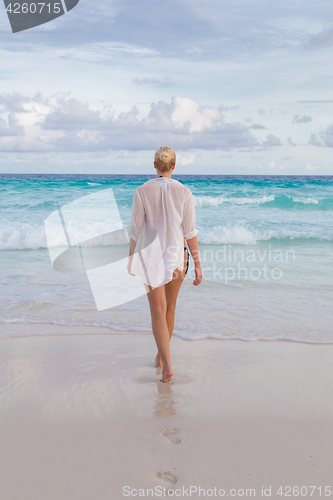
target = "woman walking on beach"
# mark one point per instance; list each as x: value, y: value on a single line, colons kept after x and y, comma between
x: 163, y: 207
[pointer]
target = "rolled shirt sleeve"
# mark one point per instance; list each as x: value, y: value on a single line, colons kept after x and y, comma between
x: 138, y: 216
x: 189, y: 221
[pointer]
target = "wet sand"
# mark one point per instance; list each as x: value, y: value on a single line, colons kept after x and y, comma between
x: 83, y: 416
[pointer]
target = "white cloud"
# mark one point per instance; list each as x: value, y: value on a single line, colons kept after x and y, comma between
x: 257, y: 126
x: 188, y: 112
x: 62, y: 123
x: 323, y: 138
x: 327, y: 136
x: 184, y: 161
x: 272, y: 166
x: 291, y: 142
x: 126, y: 154
x: 156, y: 82
x: 320, y: 40
x: 302, y: 119
x: 272, y: 141
x: 310, y: 167
x: 314, y: 141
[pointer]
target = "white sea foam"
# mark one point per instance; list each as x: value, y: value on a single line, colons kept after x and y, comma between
x: 130, y: 329
x: 213, y: 201
x: 20, y: 236
x: 29, y: 236
x: 310, y: 200
x: 303, y: 340
x: 242, y: 235
x: 36, y: 321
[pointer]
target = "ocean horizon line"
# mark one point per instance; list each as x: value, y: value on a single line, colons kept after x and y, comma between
x: 225, y: 176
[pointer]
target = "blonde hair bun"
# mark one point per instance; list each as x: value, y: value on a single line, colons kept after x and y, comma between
x: 165, y: 158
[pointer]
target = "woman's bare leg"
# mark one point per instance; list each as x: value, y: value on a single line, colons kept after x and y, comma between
x: 158, y: 307
x: 171, y: 293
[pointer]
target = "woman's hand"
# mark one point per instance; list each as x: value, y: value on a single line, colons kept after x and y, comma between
x: 129, y: 265
x: 198, y: 276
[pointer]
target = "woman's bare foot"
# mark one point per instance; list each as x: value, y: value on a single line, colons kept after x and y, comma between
x: 158, y: 362
x: 166, y: 374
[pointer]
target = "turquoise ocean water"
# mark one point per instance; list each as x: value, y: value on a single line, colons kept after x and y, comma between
x: 266, y: 249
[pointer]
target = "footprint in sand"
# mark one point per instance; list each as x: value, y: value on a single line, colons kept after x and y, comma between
x: 165, y: 407
x: 167, y: 476
x: 169, y: 434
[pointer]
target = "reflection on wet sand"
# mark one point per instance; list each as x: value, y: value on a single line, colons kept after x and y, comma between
x: 165, y: 402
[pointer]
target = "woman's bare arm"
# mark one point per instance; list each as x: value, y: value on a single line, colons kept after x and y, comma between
x: 194, y: 249
x: 130, y: 256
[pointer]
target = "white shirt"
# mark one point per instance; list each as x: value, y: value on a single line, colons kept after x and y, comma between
x: 163, y: 214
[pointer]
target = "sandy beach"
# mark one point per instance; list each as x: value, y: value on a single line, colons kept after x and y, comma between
x: 83, y: 417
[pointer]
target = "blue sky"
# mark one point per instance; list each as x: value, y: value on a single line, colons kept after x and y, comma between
x: 241, y: 87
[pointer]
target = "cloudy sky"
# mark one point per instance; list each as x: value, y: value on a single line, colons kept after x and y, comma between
x: 235, y: 87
